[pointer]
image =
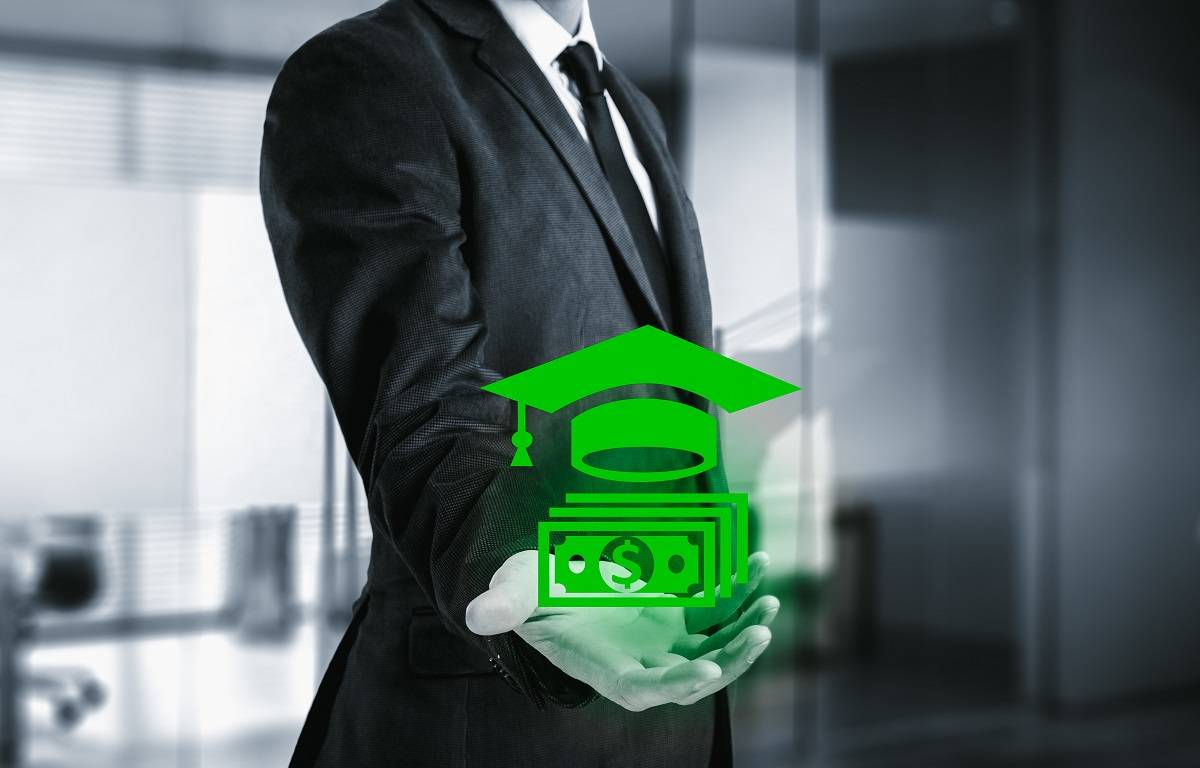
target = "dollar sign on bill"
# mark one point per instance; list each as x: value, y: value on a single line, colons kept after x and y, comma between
x: 623, y: 556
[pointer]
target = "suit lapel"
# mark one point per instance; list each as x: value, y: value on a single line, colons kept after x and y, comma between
x: 674, y: 216
x: 507, y: 60
x: 502, y: 55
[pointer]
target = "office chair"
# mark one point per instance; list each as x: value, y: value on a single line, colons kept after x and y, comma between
x: 69, y: 580
x: 50, y: 565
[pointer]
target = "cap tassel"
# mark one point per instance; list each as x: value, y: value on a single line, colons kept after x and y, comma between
x: 521, y: 440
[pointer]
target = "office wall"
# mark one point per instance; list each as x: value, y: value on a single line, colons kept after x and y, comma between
x: 93, y: 332
x: 925, y: 237
x: 259, y: 404
x: 743, y: 175
x: 1129, y: 410
x: 915, y: 378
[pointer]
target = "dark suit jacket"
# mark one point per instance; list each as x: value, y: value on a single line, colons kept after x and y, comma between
x: 438, y: 222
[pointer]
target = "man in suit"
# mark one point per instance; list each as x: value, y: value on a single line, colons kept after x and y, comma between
x: 455, y: 191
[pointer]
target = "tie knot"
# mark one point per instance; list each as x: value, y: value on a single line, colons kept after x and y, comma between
x: 579, y: 61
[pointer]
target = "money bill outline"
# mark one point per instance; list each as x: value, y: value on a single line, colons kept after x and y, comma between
x: 706, y: 598
x: 734, y: 533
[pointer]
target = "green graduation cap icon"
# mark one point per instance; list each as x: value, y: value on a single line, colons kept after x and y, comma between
x: 645, y: 355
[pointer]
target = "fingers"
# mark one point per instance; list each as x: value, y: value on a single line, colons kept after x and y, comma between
x: 700, y: 619
x: 684, y: 682
x: 640, y: 689
x: 510, y: 599
x: 762, y: 612
x: 734, y: 659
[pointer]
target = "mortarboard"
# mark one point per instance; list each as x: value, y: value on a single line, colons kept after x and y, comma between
x: 645, y: 355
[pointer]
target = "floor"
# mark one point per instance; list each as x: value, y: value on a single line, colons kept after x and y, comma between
x: 939, y: 706
x: 207, y: 700
x: 202, y: 699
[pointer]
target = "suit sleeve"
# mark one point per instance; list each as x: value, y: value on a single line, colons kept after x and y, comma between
x: 361, y: 197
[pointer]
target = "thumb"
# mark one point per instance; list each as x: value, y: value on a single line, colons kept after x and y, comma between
x: 510, y: 599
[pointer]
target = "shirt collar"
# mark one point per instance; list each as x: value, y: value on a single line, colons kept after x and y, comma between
x: 541, y: 35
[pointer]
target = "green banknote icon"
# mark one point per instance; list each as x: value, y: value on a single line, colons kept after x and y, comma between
x: 730, y: 511
x: 640, y: 563
x: 605, y: 555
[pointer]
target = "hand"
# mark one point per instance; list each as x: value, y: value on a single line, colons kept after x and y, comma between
x: 635, y: 657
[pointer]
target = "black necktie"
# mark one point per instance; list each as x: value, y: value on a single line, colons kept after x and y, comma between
x: 579, y: 61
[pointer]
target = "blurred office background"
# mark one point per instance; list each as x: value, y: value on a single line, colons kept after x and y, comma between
x: 969, y: 228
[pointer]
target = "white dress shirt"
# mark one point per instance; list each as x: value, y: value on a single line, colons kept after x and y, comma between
x: 545, y: 39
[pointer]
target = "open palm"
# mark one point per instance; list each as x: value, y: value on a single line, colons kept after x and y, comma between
x: 636, y: 657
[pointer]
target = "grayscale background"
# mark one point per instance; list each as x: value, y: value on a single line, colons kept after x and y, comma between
x: 978, y: 250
